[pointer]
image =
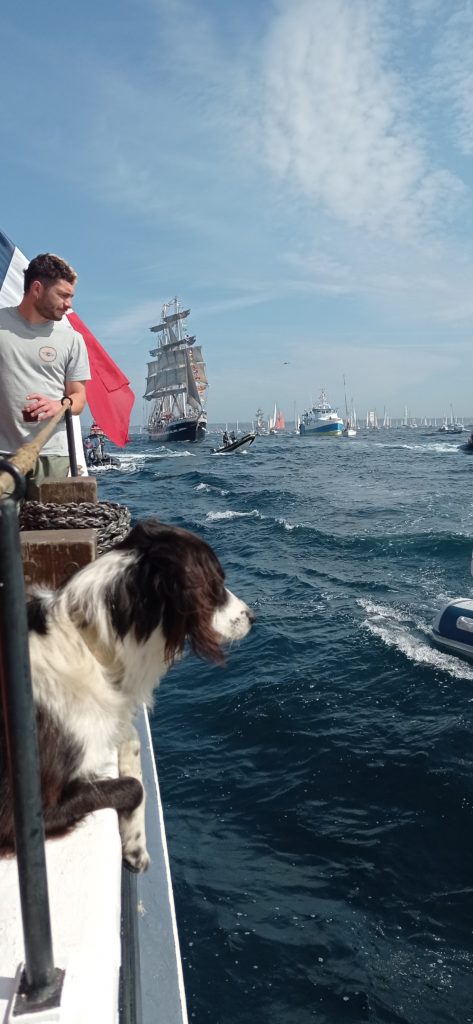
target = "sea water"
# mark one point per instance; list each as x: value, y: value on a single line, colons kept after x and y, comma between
x: 318, y: 789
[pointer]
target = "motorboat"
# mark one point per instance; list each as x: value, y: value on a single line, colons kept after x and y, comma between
x: 468, y: 446
x: 94, y: 450
x: 321, y: 420
x: 234, y: 446
x: 93, y: 461
x: 452, y: 630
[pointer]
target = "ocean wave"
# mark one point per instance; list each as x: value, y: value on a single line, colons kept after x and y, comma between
x: 287, y: 526
x: 254, y: 513
x: 230, y: 514
x: 421, y: 545
x: 436, y: 446
x: 209, y: 489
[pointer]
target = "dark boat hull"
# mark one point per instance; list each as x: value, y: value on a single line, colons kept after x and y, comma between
x: 179, y: 430
x: 106, y: 460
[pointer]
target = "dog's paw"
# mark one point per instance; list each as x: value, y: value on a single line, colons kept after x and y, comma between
x: 137, y: 860
x: 135, y: 855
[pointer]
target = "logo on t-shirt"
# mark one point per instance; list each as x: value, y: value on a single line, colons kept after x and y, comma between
x: 47, y: 354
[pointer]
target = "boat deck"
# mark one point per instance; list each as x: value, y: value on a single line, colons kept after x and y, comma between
x: 84, y: 879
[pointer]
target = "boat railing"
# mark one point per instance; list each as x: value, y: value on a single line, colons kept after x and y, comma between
x: 41, y: 982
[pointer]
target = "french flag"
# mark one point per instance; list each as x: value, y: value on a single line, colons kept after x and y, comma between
x: 109, y: 395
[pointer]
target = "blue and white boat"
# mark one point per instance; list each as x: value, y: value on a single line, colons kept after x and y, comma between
x: 453, y: 628
x: 321, y: 420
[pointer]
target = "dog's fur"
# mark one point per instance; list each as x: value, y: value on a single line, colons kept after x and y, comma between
x: 98, y: 647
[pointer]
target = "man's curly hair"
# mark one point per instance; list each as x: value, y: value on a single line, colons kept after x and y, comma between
x: 48, y: 268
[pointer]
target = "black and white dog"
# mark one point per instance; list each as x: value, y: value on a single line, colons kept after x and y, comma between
x: 98, y: 647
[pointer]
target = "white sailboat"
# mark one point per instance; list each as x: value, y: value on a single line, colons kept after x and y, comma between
x: 372, y: 420
x: 349, y: 429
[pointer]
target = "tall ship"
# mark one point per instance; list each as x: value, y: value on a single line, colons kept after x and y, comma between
x: 177, y: 380
x: 321, y: 420
x: 260, y: 425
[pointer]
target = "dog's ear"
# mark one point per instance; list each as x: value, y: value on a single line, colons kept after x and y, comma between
x: 182, y: 577
x: 190, y: 588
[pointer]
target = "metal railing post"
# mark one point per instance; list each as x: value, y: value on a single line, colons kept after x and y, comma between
x: 130, y: 1002
x: 41, y: 981
x: 71, y: 443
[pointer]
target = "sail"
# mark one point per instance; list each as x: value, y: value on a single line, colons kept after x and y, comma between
x: 172, y: 373
x: 198, y: 364
x: 167, y: 374
x: 151, y: 380
x: 280, y: 421
x: 193, y: 396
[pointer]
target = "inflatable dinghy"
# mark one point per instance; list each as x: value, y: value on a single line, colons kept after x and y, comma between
x: 240, y: 442
x: 453, y: 628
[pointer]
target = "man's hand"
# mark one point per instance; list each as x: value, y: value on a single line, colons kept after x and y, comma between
x: 42, y: 408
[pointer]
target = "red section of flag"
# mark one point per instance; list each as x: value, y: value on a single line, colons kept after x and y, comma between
x: 109, y: 395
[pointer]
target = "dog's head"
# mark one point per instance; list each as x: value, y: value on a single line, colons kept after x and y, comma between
x: 174, y: 580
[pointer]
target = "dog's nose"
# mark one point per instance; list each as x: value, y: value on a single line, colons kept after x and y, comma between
x: 251, y: 615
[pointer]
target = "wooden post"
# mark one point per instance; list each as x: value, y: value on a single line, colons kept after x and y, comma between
x: 51, y: 557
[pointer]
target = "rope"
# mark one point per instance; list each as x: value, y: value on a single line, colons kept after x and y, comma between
x: 112, y: 521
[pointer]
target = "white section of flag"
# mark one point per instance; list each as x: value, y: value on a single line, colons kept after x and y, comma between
x: 11, y: 292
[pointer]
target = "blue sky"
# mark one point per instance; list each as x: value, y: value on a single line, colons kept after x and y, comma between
x: 299, y: 173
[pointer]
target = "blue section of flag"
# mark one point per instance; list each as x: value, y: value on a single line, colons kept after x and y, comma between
x: 6, y: 252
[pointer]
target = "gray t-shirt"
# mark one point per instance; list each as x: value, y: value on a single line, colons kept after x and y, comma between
x: 36, y: 359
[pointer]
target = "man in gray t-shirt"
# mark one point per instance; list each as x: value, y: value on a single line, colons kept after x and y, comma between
x: 41, y: 359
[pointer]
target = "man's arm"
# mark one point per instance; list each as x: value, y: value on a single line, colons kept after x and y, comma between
x: 75, y: 390
x: 47, y: 407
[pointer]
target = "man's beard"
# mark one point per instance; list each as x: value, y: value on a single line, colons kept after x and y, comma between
x: 46, y: 309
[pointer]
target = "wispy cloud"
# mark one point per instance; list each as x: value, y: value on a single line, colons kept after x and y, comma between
x: 138, y: 320
x: 339, y: 123
x: 453, y: 74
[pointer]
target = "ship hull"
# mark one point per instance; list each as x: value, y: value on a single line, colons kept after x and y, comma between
x: 185, y: 430
x: 332, y: 429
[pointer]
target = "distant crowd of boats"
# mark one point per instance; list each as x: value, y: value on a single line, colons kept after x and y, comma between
x: 176, y: 385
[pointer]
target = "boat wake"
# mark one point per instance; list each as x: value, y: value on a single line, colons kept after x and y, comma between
x: 398, y: 629
x: 168, y: 453
x: 93, y: 470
